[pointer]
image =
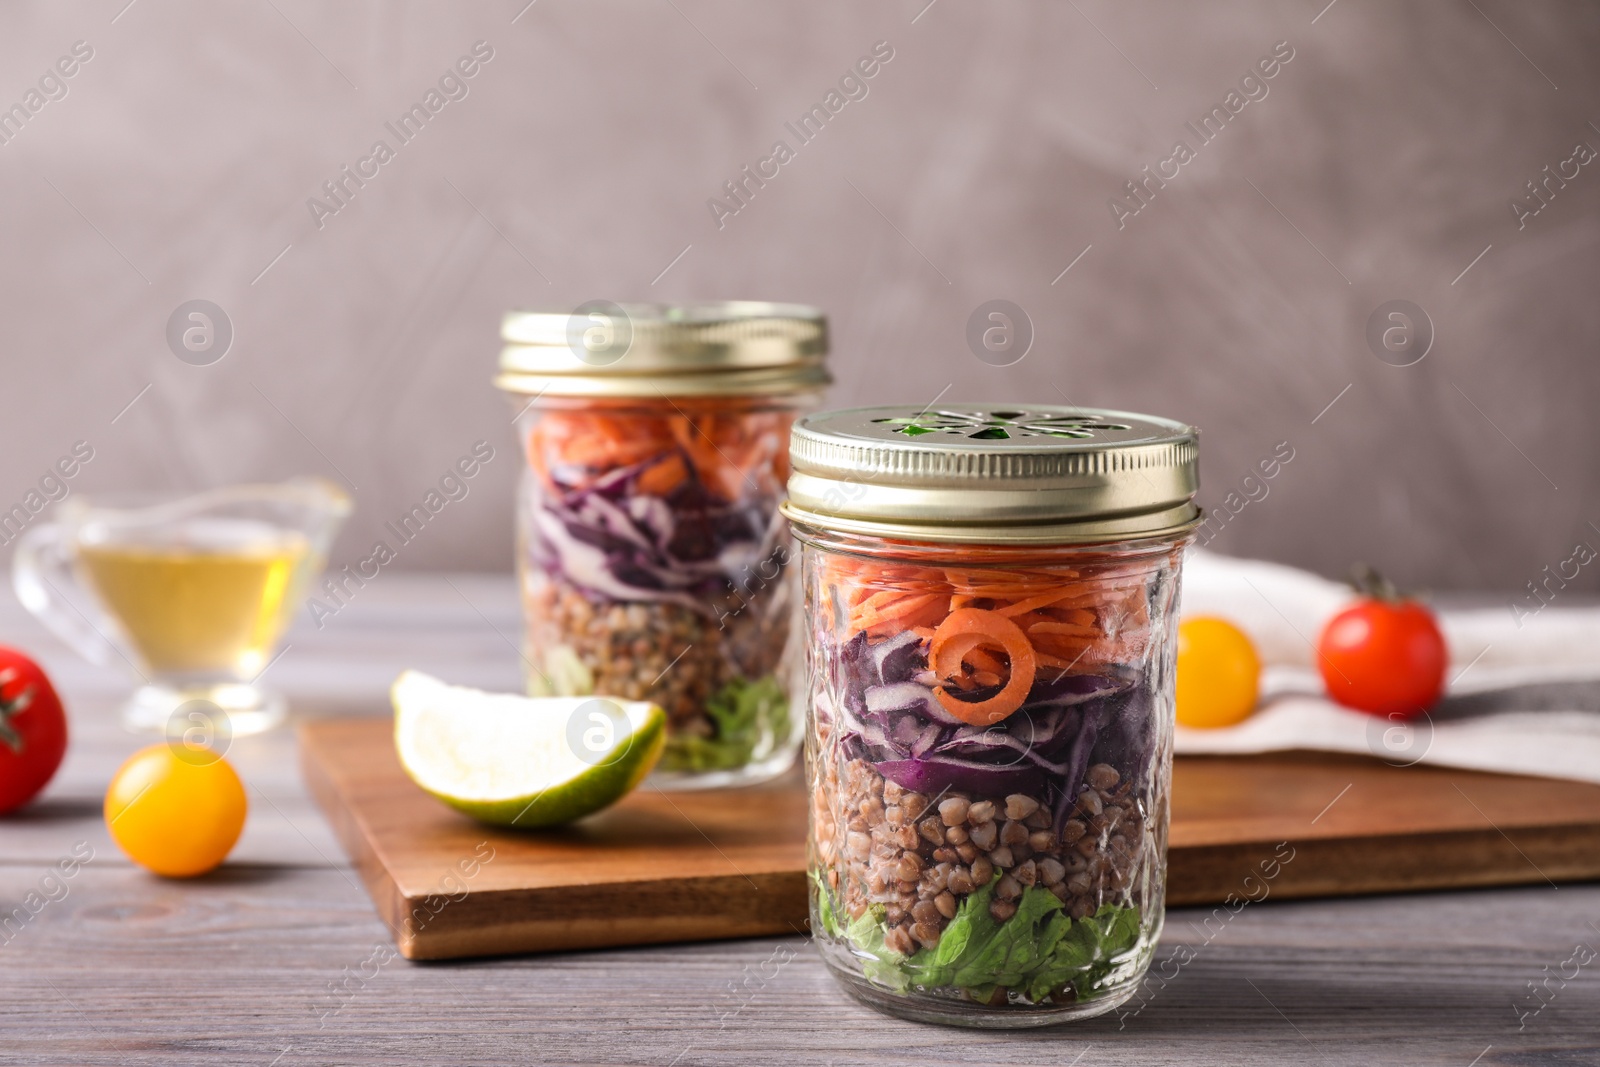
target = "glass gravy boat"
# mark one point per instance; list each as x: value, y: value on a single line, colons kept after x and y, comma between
x: 193, y: 593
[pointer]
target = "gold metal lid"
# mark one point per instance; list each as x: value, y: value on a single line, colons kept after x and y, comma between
x: 994, y: 474
x: 720, y: 348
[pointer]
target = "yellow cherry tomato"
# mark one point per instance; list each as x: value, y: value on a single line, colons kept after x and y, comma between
x: 1219, y: 673
x: 177, y: 813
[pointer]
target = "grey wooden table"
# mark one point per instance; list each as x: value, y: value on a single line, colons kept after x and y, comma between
x: 278, y: 958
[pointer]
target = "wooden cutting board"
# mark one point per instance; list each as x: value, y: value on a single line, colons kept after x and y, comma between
x: 702, y: 866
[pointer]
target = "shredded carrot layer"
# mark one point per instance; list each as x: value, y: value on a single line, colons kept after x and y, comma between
x: 728, y: 449
x: 995, y: 626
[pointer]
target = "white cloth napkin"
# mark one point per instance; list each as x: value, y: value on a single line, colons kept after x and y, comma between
x: 1523, y: 693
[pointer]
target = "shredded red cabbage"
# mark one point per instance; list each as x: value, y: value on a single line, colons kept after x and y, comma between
x: 894, y: 721
x: 687, y: 547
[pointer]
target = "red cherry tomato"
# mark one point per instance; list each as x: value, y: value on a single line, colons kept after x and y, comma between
x: 33, y: 730
x: 1386, y: 657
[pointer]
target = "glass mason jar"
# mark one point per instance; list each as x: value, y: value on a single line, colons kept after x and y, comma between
x: 991, y: 601
x: 653, y: 560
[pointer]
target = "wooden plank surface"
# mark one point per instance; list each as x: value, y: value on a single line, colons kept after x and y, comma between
x: 1360, y: 826
x: 700, y: 866
x: 280, y: 958
x: 658, y: 867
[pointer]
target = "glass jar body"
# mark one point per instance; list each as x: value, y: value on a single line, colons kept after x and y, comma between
x: 989, y: 755
x: 654, y: 565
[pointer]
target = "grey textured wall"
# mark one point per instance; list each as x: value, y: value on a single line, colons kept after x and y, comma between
x: 1380, y: 165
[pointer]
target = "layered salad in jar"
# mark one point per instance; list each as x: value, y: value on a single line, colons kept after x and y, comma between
x: 989, y: 764
x: 654, y: 566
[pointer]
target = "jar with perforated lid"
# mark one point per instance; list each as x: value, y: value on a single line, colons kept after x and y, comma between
x: 653, y: 560
x: 990, y: 600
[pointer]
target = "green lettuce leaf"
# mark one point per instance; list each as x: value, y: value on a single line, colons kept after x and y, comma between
x: 1088, y: 952
x: 1038, y: 950
x: 967, y: 935
x: 827, y: 911
x: 1012, y: 952
x: 884, y: 966
x: 742, y: 713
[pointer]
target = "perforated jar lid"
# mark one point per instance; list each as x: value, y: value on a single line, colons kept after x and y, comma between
x: 994, y: 474
x: 716, y: 348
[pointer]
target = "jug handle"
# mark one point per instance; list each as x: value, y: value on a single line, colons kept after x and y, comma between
x: 40, y: 568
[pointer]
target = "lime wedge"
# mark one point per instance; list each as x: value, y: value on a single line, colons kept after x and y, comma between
x: 523, y: 761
